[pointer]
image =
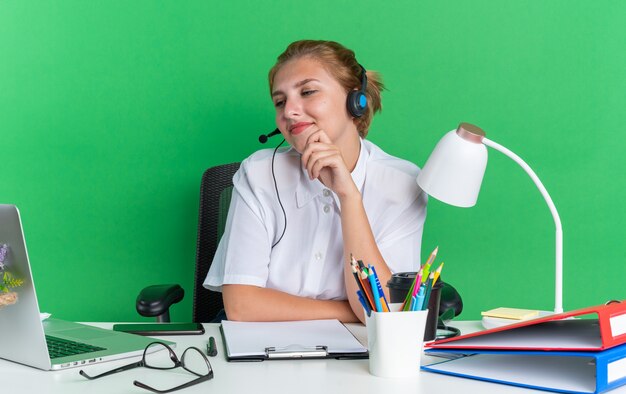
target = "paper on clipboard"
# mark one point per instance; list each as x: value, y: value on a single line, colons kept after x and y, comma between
x: 246, y: 339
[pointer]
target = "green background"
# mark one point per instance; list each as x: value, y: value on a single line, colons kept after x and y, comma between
x: 110, y: 111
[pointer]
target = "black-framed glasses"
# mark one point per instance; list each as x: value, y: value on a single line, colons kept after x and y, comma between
x: 158, y: 355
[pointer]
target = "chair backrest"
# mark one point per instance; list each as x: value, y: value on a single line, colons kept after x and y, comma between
x: 215, y: 192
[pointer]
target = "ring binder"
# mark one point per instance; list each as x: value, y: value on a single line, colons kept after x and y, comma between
x: 296, y: 351
x: 557, y: 371
x: 606, y: 329
x: 555, y: 353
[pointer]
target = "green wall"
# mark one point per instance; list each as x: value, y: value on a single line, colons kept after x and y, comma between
x: 110, y: 111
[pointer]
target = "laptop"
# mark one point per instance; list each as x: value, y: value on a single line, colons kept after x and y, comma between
x: 49, y: 344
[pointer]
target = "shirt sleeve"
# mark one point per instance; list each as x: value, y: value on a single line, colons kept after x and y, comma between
x: 400, y: 244
x: 396, y: 209
x: 243, y: 254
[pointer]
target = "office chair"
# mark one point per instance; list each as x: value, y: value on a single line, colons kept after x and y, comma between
x: 215, y: 193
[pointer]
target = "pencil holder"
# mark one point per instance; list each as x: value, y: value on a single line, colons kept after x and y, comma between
x: 395, y: 341
x: 399, y: 285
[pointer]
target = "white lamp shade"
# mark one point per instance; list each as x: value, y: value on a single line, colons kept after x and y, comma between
x: 454, y: 171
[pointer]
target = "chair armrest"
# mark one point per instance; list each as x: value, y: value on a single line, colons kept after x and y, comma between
x: 156, y: 300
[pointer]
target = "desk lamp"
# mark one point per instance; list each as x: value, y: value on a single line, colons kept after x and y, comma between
x: 454, y: 172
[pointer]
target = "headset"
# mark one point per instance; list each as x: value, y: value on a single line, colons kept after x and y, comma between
x: 357, y: 99
x: 356, y: 104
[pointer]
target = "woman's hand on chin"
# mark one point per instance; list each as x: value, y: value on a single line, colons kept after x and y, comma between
x: 323, y: 160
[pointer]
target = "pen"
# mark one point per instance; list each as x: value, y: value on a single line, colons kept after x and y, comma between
x: 211, y: 348
x: 418, y: 280
x: 381, y: 293
x: 420, y: 300
x: 366, y: 306
x: 376, y: 296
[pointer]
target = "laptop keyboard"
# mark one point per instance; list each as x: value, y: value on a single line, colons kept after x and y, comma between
x: 58, y: 347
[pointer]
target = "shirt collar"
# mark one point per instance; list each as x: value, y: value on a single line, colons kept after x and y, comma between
x: 307, y: 190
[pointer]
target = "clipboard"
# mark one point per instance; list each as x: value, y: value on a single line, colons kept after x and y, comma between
x: 308, y: 339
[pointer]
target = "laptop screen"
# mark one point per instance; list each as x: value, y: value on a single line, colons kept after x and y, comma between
x: 21, y: 332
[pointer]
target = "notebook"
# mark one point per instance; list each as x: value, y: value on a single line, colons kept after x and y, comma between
x: 50, y: 344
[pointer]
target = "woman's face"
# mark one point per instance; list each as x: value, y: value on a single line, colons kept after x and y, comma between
x: 307, y: 98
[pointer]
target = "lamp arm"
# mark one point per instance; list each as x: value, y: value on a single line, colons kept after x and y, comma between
x: 558, y: 287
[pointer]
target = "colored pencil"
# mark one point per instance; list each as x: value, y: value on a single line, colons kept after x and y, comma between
x: 429, y: 263
x: 368, y: 292
x: 356, y: 277
x: 433, y: 254
x: 429, y: 287
x: 438, y: 273
x: 366, y: 286
x: 412, y: 292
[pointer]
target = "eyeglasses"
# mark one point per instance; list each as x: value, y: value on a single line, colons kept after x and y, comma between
x: 155, y: 357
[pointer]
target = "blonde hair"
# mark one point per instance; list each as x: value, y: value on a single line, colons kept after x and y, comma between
x: 341, y: 63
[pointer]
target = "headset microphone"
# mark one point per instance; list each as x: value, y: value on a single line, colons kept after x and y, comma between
x: 264, y: 137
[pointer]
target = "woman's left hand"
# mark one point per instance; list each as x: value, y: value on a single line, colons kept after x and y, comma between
x: 323, y: 161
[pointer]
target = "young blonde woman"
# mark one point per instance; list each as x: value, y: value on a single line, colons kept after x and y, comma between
x: 286, y: 256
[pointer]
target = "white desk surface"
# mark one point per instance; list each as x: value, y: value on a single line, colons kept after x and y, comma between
x: 323, y: 376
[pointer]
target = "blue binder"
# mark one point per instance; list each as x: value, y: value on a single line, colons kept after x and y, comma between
x: 558, y: 371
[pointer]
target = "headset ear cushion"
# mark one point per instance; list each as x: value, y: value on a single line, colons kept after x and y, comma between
x: 357, y: 103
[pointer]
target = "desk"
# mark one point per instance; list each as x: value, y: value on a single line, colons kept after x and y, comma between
x: 325, y: 376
